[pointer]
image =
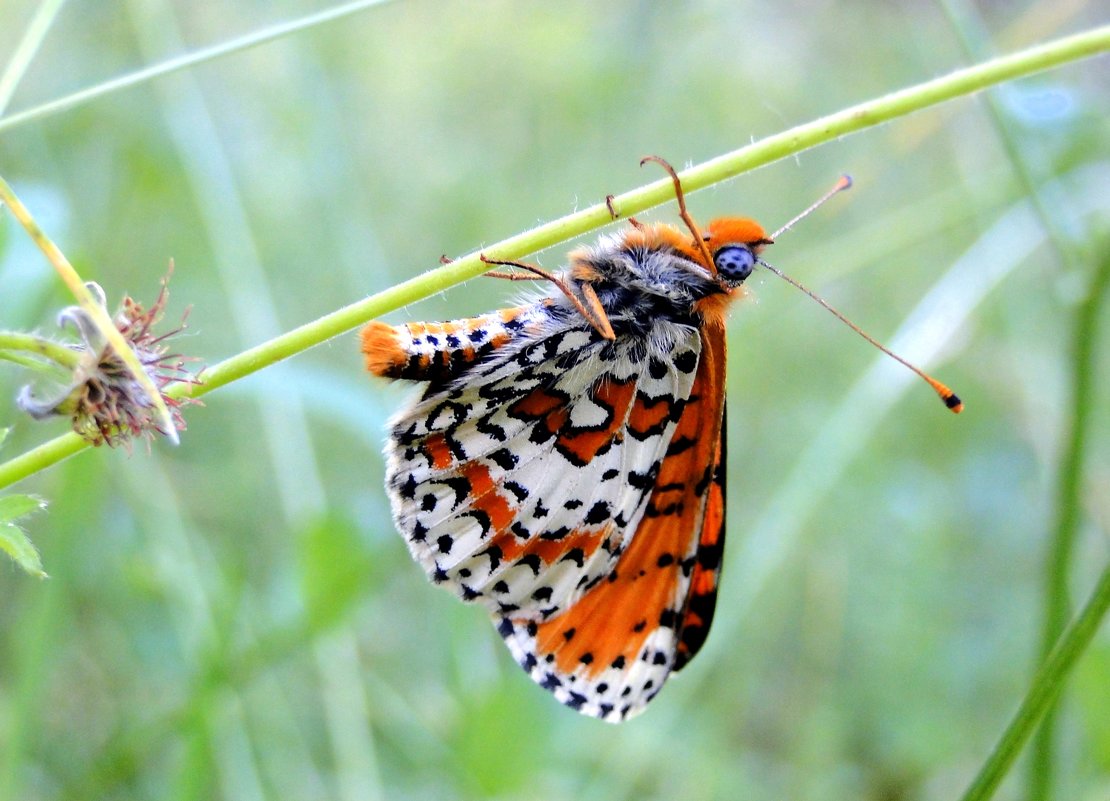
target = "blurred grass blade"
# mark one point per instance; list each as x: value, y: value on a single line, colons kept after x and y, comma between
x: 25, y: 51
x: 1069, y: 505
x: 973, y: 37
x: 1046, y: 687
x: 335, y: 569
x: 185, y: 61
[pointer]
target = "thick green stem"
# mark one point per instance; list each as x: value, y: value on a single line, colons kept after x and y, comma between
x: 1043, y: 693
x: 865, y: 115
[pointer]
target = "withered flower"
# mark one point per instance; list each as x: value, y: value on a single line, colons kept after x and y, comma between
x: 103, y: 399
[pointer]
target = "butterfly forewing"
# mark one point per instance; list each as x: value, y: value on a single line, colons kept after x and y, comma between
x: 609, y: 654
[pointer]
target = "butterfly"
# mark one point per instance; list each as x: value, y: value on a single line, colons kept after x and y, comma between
x: 564, y: 466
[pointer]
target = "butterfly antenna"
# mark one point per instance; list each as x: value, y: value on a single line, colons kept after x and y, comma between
x: 950, y: 399
x: 845, y: 182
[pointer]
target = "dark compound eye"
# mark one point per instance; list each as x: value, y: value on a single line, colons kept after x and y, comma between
x: 734, y: 263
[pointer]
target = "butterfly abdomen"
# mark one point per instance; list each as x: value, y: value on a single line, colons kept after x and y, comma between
x: 439, y: 352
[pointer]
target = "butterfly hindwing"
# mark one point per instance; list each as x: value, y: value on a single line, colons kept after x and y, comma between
x: 520, y: 482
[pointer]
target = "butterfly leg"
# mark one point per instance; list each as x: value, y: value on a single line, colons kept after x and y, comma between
x: 616, y: 215
x: 585, y: 300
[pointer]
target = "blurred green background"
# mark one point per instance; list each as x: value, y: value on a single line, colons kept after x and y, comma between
x: 236, y: 618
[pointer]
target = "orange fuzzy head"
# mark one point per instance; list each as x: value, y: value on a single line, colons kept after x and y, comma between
x: 726, y: 231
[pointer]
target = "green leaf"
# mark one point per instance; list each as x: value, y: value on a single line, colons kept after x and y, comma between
x: 14, y: 541
x: 13, y: 507
x: 4, y: 435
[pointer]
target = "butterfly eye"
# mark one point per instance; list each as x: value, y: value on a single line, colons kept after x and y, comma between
x: 734, y: 263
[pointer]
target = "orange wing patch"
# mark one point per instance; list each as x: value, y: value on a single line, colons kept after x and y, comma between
x: 438, y: 451
x: 538, y: 404
x: 701, y: 600
x: 649, y: 416
x: 607, y: 627
x: 582, y: 445
x: 581, y: 544
x: 487, y: 499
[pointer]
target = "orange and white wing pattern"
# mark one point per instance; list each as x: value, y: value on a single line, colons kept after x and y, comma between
x: 609, y: 654
x: 519, y: 485
x: 570, y: 479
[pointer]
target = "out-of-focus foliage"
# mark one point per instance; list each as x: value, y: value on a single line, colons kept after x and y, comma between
x: 236, y: 618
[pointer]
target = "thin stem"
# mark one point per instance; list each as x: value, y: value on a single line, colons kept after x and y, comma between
x: 183, y: 62
x: 773, y: 148
x: 1043, y: 692
x: 29, y: 343
x: 29, y: 362
x: 95, y: 311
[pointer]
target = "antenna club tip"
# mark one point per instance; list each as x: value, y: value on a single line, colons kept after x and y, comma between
x: 845, y: 182
x: 950, y: 399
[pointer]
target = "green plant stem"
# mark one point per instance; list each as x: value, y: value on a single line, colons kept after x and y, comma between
x: 1068, y: 505
x: 29, y: 343
x: 183, y: 62
x: 29, y: 362
x: 788, y: 143
x: 1044, y: 690
x: 96, y: 312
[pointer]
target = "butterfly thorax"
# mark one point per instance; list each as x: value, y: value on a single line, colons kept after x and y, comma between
x: 656, y: 273
x: 643, y: 274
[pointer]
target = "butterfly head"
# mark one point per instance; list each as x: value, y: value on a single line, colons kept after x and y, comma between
x: 734, y: 243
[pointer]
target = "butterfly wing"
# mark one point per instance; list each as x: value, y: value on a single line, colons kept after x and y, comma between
x: 701, y: 595
x: 610, y: 652
x: 519, y: 482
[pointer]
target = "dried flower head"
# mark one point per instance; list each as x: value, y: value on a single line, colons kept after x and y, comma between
x: 103, y: 399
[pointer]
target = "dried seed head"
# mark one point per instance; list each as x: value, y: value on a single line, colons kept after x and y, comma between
x: 103, y: 399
